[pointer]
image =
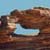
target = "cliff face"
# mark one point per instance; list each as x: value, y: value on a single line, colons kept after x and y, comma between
x: 36, y: 18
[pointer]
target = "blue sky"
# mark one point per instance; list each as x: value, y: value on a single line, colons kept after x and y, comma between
x: 6, y: 6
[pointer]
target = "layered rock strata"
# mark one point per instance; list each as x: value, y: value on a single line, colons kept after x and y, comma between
x: 36, y: 18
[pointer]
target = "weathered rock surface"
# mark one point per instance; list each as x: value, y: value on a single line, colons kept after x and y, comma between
x: 32, y: 19
x: 36, y: 18
x: 18, y: 42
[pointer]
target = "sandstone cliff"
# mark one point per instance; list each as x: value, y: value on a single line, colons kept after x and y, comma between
x: 36, y: 18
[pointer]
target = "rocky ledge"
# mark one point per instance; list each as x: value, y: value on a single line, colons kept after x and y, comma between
x: 20, y: 42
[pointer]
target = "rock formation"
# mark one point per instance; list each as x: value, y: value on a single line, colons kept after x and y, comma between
x: 36, y: 18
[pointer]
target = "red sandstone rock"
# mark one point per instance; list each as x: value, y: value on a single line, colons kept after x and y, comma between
x: 36, y: 18
x: 32, y: 19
